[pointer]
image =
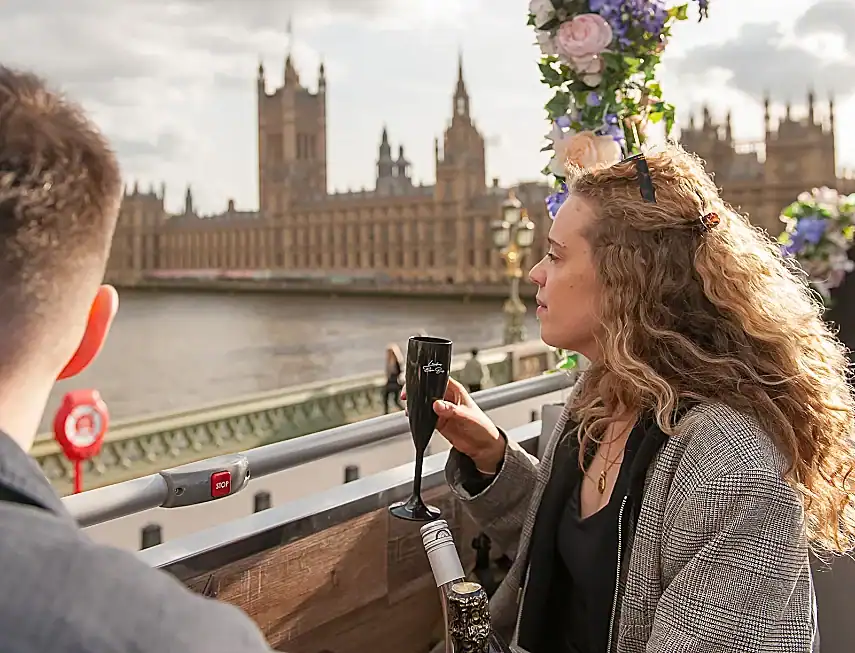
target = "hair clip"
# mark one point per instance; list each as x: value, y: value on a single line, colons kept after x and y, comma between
x: 709, y: 221
x: 645, y: 182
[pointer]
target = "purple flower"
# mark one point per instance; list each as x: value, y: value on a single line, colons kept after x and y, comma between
x: 625, y: 15
x: 611, y: 127
x: 556, y: 199
x: 563, y: 122
x: 808, y: 231
x: 811, y: 229
x: 593, y: 99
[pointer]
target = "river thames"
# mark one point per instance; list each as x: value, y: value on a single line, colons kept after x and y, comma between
x: 174, y: 350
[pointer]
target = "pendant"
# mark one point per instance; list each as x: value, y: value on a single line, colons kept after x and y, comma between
x: 601, y: 483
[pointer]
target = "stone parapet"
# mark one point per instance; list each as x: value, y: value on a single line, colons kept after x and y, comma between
x: 140, y: 446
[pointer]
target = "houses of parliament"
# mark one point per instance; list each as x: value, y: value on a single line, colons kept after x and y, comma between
x: 405, y: 233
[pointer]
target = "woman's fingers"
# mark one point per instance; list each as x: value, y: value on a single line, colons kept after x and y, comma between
x: 454, y: 393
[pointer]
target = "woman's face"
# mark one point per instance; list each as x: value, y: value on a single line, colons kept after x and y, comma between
x: 568, y: 289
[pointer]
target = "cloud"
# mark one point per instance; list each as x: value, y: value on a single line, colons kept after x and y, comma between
x: 176, y: 78
x: 165, y: 145
x: 830, y: 17
x: 760, y: 59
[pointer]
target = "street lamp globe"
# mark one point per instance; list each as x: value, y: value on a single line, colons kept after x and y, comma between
x: 511, y: 209
x: 525, y: 234
x: 501, y: 234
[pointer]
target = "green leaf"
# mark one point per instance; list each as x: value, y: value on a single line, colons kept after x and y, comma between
x: 551, y: 76
x: 632, y: 64
x: 569, y: 362
x: 680, y: 12
x: 655, y: 116
x: 559, y: 105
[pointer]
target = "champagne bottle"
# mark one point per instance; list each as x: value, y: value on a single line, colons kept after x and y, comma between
x: 465, y: 607
x: 445, y: 565
x: 469, y: 621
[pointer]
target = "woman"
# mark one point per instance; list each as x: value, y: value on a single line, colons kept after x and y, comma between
x: 699, y: 457
x: 394, y: 369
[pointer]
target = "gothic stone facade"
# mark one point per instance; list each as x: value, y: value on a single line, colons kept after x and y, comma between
x: 400, y: 231
x: 405, y: 233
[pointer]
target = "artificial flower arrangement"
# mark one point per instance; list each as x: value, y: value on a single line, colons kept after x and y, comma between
x: 820, y: 229
x: 600, y: 57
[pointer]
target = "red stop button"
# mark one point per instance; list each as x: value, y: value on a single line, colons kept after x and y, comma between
x: 221, y: 484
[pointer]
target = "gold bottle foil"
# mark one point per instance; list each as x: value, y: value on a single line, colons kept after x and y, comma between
x: 469, y: 618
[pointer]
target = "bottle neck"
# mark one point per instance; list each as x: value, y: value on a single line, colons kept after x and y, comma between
x: 445, y: 565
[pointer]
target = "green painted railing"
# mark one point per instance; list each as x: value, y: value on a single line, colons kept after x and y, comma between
x: 136, y: 447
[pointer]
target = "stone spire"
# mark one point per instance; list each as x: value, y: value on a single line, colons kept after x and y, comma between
x: 291, y: 76
x: 385, y: 163
x: 188, y: 202
x: 461, y: 95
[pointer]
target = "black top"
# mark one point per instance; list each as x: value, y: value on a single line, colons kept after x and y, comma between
x: 587, y: 556
x: 547, y: 583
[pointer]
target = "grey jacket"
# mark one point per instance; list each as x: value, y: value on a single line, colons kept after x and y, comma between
x: 719, y: 558
x: 62, y: 593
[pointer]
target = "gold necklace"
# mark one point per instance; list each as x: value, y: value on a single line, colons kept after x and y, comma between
x: 602, y: 480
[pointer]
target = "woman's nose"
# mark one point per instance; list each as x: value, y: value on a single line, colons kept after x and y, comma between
x: 535, y: 275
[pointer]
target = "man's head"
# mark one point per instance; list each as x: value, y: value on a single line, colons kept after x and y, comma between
x: 60, y: 190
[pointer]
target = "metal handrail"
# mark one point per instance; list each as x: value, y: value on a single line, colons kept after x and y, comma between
x: 190, y: 484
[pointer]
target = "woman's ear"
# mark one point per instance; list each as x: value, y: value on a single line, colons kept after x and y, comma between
x: 101, y: 314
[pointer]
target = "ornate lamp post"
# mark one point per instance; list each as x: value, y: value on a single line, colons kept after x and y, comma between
x: 513, y: 236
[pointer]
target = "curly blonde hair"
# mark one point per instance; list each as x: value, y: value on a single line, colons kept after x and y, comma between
x: 715, y: 315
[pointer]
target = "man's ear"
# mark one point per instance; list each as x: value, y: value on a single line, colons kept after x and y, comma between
x: 101, y: 315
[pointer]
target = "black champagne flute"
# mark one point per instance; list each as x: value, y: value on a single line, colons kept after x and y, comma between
x: 428, y: 367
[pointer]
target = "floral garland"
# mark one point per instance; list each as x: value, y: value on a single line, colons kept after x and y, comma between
x: 601, y: 59
x: 820, y: 229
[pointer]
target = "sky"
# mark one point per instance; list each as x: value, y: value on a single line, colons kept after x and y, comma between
x: 172, y: 82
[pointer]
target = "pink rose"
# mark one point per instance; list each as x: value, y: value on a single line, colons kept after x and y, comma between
x: 583, y: 37
x: 588, y: 150
x: 590, y: 69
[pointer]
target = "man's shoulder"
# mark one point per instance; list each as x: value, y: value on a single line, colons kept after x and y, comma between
x: 76, y: 596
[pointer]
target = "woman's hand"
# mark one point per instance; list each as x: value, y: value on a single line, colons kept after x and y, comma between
x: 467, y: 428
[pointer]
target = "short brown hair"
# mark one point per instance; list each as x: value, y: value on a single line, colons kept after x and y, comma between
x: 60, y: 190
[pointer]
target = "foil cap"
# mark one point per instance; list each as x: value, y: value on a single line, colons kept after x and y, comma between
x: 442, y: 554
x: 469, y: 618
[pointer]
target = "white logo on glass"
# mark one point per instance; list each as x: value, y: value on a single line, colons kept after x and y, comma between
x: 433, y: 366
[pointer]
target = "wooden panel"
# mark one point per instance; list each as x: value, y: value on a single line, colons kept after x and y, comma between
x: 408, y: 626
x: 364, y: 585
x: 302, y: 585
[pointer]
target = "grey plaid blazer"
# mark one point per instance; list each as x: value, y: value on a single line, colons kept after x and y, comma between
x: 719, y: 559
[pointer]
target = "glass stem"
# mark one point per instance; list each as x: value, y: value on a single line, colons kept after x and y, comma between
x: 417, y: 480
